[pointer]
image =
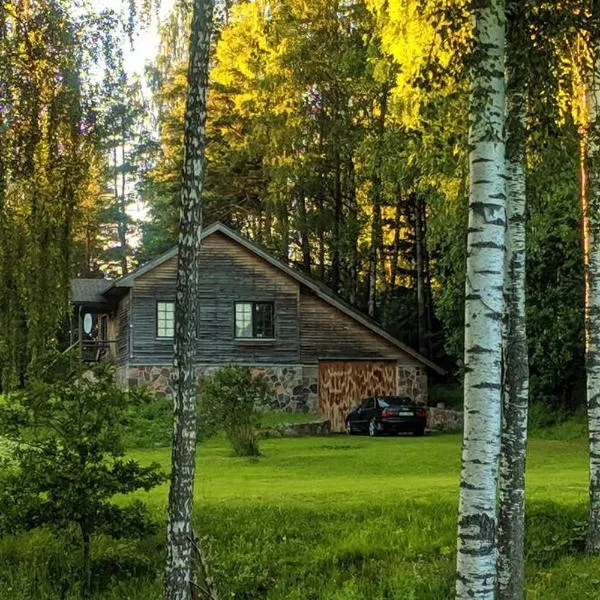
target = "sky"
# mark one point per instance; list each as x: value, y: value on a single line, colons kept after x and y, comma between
x: 143, y: 51
x: 146, y: 42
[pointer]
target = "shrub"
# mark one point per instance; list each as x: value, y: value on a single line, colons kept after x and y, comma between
x: 68, y: 457
x: 228, y: 401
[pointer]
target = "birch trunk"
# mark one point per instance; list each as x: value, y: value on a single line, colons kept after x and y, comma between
x: 476, y: 552
x: 590, y: 199
x: 178, y: 576
x: 511, y: 519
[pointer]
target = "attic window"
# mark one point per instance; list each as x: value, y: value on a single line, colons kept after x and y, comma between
x: 254, y: 320
x: 165, y: 319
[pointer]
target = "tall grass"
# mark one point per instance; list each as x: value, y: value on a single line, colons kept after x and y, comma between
x: 328, y: 519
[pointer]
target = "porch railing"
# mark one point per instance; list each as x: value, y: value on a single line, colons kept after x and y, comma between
x: 95, y: 350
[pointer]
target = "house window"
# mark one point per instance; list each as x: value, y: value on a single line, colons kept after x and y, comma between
x: 254, y: 320
x: 165, y: 319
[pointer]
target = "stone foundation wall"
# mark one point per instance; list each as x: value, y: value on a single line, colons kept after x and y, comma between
x: 295, y: 387
x: 443, y: 419
x: 412, y: 382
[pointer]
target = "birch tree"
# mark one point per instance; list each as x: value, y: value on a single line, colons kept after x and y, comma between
x: 511, y: 518
x: 476, y: 556
x: 178, y: 577
x: 590, y: 202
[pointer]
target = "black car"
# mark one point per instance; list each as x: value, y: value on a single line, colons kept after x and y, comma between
x: 387, y: 414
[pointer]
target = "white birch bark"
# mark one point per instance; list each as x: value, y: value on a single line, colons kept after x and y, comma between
x: 590, y: 199
x: 476, y: 555
x: 178, y: 575
x: 511, y: 518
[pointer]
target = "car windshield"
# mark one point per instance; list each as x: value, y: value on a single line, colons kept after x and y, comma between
x: 390, y: 402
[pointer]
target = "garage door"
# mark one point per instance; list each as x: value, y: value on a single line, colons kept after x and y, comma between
x: 343, y: 384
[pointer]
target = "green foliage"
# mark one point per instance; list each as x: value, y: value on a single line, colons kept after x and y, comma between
x: 229, y: 401
x: 151, y: 424
x: 69, y: 462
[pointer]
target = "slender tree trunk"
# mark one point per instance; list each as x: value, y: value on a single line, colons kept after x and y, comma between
x: 86, y: 568
x: 284, y: 225
x: 484, y: 304
x: 590, y: 199
x: 511, y: 517
x: 375, y: 235
x: 337, y: 223
x: 304, y: 231
x: 396, y: 248
x: 420, y: 268
x: 426, y: 278
x: 178, y: 576
x: 353, y: 231
x: 123, y: 207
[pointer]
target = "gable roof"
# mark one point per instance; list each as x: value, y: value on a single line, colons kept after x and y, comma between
x: 317, y: 288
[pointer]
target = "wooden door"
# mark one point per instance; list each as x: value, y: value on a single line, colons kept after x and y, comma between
x: 344, y: 384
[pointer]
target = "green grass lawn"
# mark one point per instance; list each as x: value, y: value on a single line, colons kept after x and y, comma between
x: 332, y: 518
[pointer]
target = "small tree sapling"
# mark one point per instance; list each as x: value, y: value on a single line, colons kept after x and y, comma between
x: 68, y: 461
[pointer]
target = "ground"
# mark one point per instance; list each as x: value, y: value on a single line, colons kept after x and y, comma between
x: 333, y: 518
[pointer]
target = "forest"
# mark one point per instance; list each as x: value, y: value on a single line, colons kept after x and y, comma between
x: 338, y: 141
x: 433, y: 163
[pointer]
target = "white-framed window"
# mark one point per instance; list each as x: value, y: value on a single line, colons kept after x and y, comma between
x: 254, y: 320
x: 165, y: 319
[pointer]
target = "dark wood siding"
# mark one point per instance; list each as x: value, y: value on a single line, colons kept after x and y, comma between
x: 229, y: 273
x: 327, y: 332
x: 123, y: 331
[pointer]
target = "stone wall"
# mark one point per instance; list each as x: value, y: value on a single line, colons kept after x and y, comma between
x: 412, y: 382
x: 443, y: 419
x: 295, y: 387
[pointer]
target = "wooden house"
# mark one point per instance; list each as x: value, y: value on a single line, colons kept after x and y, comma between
x: 318, y: 352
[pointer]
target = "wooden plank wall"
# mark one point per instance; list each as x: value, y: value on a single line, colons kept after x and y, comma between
x: 327, y: 332
x: 229, y: 273
x: 343, y: 385
x: 123, y: 331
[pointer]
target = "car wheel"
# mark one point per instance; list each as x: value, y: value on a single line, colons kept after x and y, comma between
x: 420, y: 432
x: 373, y: 431
x: 349, y: 429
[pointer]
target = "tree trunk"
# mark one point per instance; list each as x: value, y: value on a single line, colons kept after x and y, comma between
x: 511, y: 518
x: 123, y: 207
x: 86, y: 567
x: 396, y: 248
x: 353, y: 232
x: 590, y: 200
x: 427, y: 278
x: 420, y: 269
x: 337, y: 225
x: 484, y: 304
x: 375, y: 235
x: 304, y: 231
x: 178, y: 576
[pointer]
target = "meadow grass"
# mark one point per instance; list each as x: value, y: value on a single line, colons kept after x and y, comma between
x: 328, y: 518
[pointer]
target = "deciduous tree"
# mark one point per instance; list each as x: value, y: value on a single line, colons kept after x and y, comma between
x: 178, y: 577
x: 476, y: 558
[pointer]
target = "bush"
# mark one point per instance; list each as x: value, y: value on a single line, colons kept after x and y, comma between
x: 228, y: 402
x: 150, y: 424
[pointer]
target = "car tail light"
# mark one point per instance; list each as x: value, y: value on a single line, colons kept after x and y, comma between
x: 387, y: 413
x: 420, y: 412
